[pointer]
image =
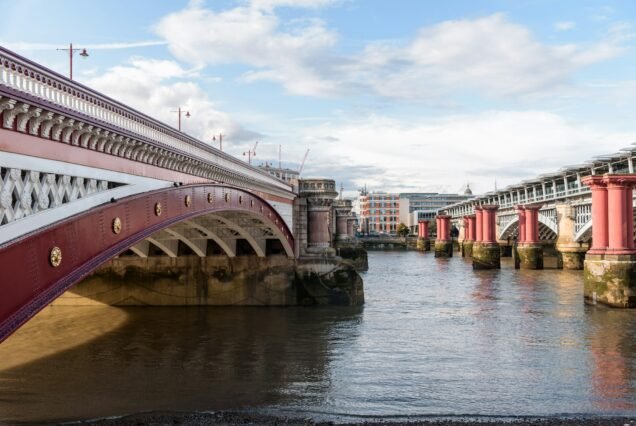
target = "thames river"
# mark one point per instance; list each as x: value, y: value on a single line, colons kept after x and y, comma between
x: 434, y: 338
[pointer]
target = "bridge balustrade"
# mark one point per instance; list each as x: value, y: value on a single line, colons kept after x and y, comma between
x: 26, y: 77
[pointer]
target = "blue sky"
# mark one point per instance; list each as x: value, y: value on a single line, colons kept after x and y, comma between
x: 399, y: 95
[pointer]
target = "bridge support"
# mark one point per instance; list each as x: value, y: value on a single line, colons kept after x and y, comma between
x: 486, y: 251
x: 343, y: 212
x: 469, y: 236
x: 529, y: 250
x: 610, y: 264
x: 443, y: 243
x: 571, y: 254
x: 423, y: 241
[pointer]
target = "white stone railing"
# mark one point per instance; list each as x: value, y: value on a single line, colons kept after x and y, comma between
x: 27, y: 77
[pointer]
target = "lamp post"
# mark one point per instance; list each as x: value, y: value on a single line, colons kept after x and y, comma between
x: 220, y: 141
x: 180, y: 111
x: 71, y: 51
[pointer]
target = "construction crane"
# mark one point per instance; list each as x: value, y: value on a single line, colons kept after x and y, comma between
x: 251, y: 153
x: 300, y: 169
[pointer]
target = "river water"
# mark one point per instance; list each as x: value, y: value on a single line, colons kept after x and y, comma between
x: 434, y: 338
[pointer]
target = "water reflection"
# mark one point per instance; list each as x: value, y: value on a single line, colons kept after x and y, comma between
x: 435, y: 338
x: 173, y: 359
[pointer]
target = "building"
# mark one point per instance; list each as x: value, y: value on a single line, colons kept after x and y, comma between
x: 426, y: 207
x: 379, y: 212
x: 382, y: 212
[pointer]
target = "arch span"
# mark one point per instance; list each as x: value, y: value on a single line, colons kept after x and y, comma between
x: 39, y: 267
x: 547, y: 229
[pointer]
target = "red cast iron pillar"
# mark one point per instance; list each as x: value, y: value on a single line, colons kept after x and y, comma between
x: 486, y: 250
x: 443, y: 243
x: 423, y: 242
x: 610, y: 264
x: 479, y: 224
x: 529, y: 252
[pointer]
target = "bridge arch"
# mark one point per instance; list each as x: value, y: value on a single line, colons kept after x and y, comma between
x: 61, y: 254
x: 548, y: 228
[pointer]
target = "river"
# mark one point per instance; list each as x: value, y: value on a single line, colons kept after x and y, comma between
x: 434, y: 338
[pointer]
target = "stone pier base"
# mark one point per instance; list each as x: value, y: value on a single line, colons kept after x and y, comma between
x: 486, y: 256
x: 570, y: 258
x: 610, y: 280
x: 275, y: 280
x: 423, y: 244
x: 529, y: 256
x: 354, y: 254
x: 443, y: 248
x: 467, y: 249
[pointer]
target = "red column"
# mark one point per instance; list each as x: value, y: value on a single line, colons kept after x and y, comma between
x: 532, y: 224
x: 479, y: 226
x: 599, y: 213
x: 425, y: 229
x: 489, y: 218
x: 419, y: 229
x: 629, y: 203
x: 521, y: 211
x: 467, y: 226
x: 443, y: 228
x: 471, y: 227
x: 620, y: 214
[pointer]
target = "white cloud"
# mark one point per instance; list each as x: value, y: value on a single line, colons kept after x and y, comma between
x: 564, y: 25
x: 444, y: 154
x: 489, y: 55
x: 254, y: 37
x: 158, y: 87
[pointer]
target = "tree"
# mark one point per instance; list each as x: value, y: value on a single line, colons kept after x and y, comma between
x: 403, y: 230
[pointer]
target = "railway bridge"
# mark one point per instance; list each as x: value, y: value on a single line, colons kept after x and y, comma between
x: 100, y: 203
x: 585, y: 213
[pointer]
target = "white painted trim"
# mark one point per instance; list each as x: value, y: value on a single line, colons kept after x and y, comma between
x: 133, y: 185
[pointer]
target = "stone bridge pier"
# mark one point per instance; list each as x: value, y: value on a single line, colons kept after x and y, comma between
x: 610, y: 264
x: 423, y: 241
x: 529, y: 250
x: 486, y: 251
x: 468, y: 235
x: 443, y: 243
x: 570, y: 252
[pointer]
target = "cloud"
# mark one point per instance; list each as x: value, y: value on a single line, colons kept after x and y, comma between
x: 489, y: 55
x: 444, y: 154
x: 254, y: 37
x: 564, y: 25
x: 159, y: 87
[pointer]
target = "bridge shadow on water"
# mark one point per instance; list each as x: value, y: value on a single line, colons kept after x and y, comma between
x: 181, y: 359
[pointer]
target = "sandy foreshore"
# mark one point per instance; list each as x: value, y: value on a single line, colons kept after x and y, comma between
x: 235, y: 418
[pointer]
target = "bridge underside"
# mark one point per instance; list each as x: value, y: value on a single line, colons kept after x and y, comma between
x: 192, y: 221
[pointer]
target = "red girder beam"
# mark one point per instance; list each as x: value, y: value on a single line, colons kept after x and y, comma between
x: 29, y: 281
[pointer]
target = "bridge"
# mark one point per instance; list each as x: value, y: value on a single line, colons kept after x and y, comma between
x: 585, y: 212
x: 97, y: 193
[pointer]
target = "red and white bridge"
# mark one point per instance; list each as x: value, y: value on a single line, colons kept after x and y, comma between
x: 84, y: 178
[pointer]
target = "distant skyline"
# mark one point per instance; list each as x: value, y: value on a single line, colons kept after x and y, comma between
x: 403, y: 96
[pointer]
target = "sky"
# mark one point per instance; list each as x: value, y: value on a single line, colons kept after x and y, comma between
x: 401, y: 95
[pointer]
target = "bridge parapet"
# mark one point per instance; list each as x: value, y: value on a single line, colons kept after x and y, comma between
x: 37, y: 101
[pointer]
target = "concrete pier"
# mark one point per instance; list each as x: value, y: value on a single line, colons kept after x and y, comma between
x: 443, y: 243
x: 529, y: 249
x: 610, y: 264
x: 486, y: 251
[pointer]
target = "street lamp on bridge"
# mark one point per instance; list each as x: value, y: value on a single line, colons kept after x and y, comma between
x: 180, y: 111
x: 71, y: 51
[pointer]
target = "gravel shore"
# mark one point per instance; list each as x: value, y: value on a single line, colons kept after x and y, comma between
x: 233, y: 418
